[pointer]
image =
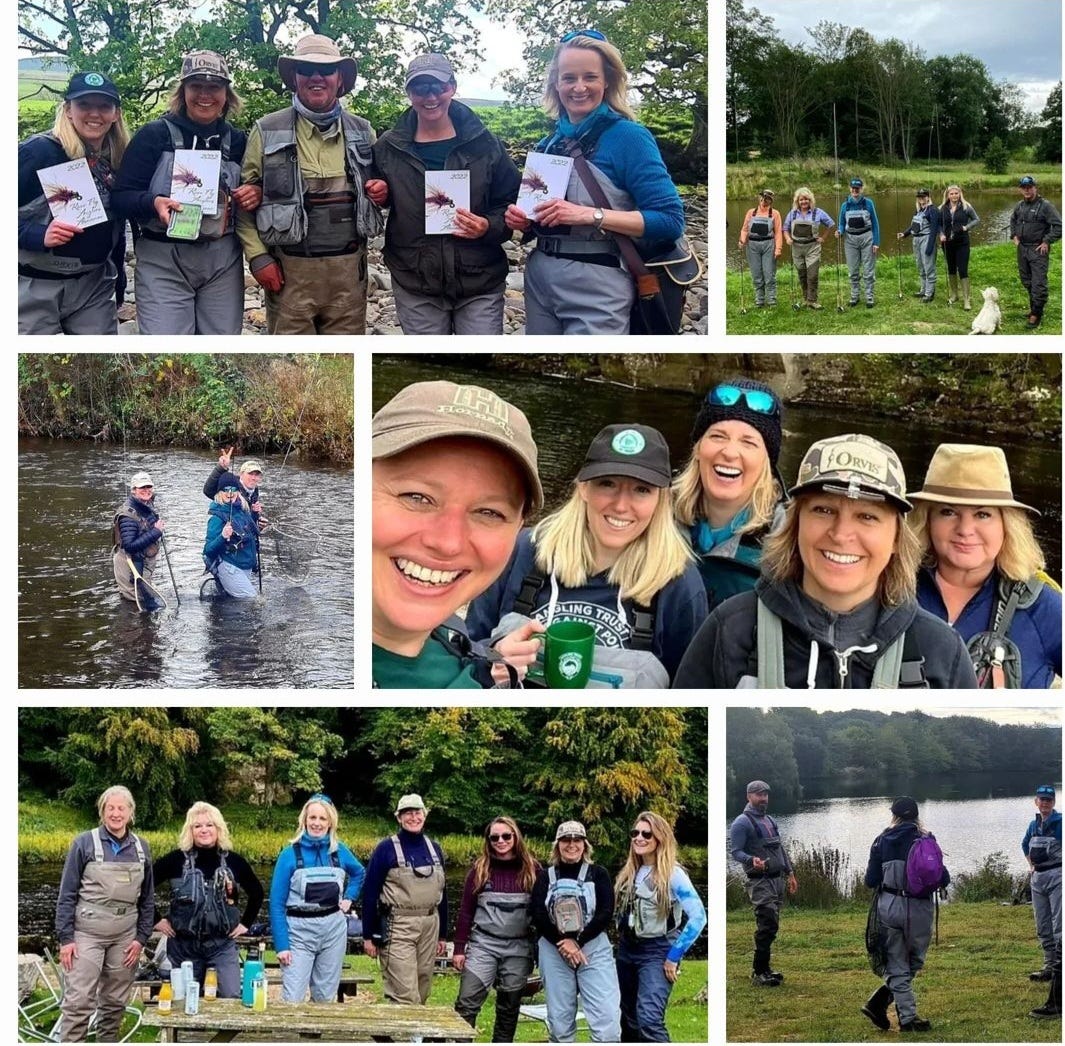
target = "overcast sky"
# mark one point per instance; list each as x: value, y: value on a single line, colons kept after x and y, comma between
x: 1025, y: 716
x: 1018, y: 40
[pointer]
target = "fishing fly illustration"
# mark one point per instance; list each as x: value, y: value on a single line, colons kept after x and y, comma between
x: 60, y: 194
x: 437, y: 199
x: 534, y: 182
x: 183, y: 176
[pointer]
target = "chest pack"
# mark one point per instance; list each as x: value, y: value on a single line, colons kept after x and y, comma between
x: 924, y: 867
x: 1044, y: 848
x: 568, y: 906
x: 202, y: 909
x: 642, y: 917
x: 996, y: 658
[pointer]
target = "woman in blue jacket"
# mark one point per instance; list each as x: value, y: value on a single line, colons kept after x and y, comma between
x: 316, y: 881
x: 232, y: 546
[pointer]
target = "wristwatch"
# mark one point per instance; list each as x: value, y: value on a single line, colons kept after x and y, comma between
x: 597, y: 218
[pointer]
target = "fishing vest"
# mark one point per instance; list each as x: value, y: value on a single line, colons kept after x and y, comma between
x: 314, y: 891
x: 289, y: 217
x: 1044, y: 851
x: 761, y: 226
x: 109, y: 892
x: 413, y: 889
x: 38, y: 212
x: 769, y: 848
x: 570, y: 903
x: 126, y: 512
x: 804, y: 230
x: 502, y: 915
x: 200, y: 909
x: 996, y: 658
x: 641, y: 917
x: 212, y: 227
x: 899, y: 666
x: 858, y: 218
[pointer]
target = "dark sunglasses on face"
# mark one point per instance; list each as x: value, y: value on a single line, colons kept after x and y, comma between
x: 310, y: 69
x: 502, y: 837
x: 571, y: 839
x: 574, y: 33
x: 428, y: 87
x: 729, y: 395
x: 640, y: 833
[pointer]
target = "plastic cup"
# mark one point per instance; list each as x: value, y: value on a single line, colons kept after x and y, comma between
x: 568, y: 647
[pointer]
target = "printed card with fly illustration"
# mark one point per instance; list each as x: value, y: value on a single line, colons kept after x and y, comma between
x: 545, y: 178
x: 71, y: 193
x: 445, y: 192
x: 195, y: 178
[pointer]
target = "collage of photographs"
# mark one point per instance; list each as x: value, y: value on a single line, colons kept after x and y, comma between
x: 765, y: 512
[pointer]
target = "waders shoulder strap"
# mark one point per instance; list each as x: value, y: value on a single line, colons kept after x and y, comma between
x: 770, y: 641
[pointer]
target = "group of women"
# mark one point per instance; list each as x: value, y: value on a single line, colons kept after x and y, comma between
x: 722, y: 577
x: 576, y: 281
x: 107, y: 910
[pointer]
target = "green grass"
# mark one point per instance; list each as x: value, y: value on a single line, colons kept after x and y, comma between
x: 974, y: 987
x: 988, y: 266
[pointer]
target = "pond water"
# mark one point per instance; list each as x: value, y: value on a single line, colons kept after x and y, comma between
x: 893, y: 212
x: 565, y: 414
x: 75, y: 631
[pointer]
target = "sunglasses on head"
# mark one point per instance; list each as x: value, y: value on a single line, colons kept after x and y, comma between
x: 501, y: 837
x: 641, y: 833
x: 320, y: 797
x: 314, y: 69
x: 757, y: 400
x: 574, y: 33
x: 428, y: 87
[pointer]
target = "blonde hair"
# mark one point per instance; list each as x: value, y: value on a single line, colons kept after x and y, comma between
x: 331, y: 815
x: 803, y: 191
x: 200, y: 809
x: 897, y: 583
x: 219, y: 497
x: 556, y: 853
x: 962, y: 202
x: 123, y: 793
x: 665, y: 860
x: 114, y: 143
x: 1020, y: 557
x: 614, y: 71
x: 896, y: 821
x: 481, y: 867
x: 564, y: 547
x: 689, y: 497
x: 175, y: 104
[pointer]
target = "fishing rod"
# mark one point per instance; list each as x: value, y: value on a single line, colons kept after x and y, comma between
x: 898, y: 242
x: 166, y: 556
x: 839, y: 232
x: 743, y: 304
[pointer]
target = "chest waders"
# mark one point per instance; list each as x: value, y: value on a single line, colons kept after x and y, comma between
x: 133, y: 573
x: 642, y: 919
x: 110, y: 890
x: 410, y: 898
x: 765, y: 890
x: 1044, y: 851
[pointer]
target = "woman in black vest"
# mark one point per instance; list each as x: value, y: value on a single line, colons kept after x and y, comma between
x: 204, y: 919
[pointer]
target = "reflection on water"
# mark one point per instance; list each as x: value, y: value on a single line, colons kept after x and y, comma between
x: 74, y: 631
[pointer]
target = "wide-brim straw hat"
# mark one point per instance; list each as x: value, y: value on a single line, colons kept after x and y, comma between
x: 317, y: 50
x: 969, y: 474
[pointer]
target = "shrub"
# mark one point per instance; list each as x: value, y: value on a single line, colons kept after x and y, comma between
x: 992, y: 882
x: 996, y: 158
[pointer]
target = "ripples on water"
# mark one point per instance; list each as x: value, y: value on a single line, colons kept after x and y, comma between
x: 75, y: 631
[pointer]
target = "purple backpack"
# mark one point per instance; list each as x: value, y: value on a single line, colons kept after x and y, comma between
x: 924, y: 867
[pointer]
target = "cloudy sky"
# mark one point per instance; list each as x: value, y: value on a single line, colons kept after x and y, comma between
x: 1022, y: 715
x: 1018, y: 40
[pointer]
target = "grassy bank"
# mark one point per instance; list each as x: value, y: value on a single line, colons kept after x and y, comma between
x: 786, y: 175
x: 993, y: 266
x: 974, y: 987
x: 259, y: 402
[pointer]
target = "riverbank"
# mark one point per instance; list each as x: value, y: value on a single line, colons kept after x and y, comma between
x: 990, y: 266
x: 261, y: 403
x: 974, y: 987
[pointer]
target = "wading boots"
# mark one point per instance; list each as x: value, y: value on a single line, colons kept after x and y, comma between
x: 876, y: 1007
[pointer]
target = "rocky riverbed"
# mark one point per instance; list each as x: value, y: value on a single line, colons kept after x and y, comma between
x: 381, y: 309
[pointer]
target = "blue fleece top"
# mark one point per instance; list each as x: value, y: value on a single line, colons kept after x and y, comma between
x: 679, y: 612
x: 240, y: 553
x: 1051, y: 826
x: 860, y: 204
x: 416, y: 851
x: 1036, y: 630
x: 816, y: 215
x: 315, y: 855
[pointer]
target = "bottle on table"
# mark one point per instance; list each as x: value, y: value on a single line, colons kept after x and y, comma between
x: 259, y: 993
x: 210, y: 984
x: 166, y: 998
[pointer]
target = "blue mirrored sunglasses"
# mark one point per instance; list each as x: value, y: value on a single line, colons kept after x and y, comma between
x: 574, y: 33
x: 320, y: 797
x: 757, y: 400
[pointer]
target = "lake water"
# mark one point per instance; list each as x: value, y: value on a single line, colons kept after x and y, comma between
x: 75, y: 631
x: 565, y: 413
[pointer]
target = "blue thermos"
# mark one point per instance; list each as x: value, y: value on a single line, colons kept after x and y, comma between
x: 252, y: 970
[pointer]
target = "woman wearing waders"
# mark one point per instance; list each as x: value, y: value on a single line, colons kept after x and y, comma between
x: 572, y: 905
x: 404, y: 919
x: 188, y: 286
x: 983, y: 570
x: 905, y: 907
x: 659, y: 917
x: 612, y: 557
x: 956, y: 220
x: 805, y: 228
x: 924, y: 228
x: 730, y: 495
x: 860, y: 229
x: 69, y: 275
x: 103, y: 918
x: 230, y: 551
x: 316, y: 881
x: 835, y: 606
x: 137, y: 531
x: 205, y: 878
x: 1042, y: 850
x: 493, y: 933
x: 575, y: 282
x: 762, y: 237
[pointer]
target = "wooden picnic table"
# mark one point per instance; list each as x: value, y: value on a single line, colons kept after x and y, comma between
x: 348, y: 985
x: 226, y: 1019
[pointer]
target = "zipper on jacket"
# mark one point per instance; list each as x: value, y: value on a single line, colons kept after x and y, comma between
x: 843, y: 661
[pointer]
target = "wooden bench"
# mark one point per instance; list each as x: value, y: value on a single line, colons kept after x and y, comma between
x: 224, y: 1020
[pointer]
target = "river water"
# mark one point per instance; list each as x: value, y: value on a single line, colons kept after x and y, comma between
x: 565, y: 414
x: 75, y: 631
x: 893, y: 212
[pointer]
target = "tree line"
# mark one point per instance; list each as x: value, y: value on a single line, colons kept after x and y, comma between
x: 797, y: 745
x: 891, y: 102
x: 539, y: 765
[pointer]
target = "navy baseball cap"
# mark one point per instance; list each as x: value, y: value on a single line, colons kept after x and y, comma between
x: 82, y: 84
x: 1026, y: 181
x: 1045, y: 792
x: 856, y: 183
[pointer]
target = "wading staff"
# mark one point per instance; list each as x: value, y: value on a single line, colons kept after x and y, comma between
x: 839, y: 232
x: 743, y: 304
x: 166, y: 556
x: 898, y: 242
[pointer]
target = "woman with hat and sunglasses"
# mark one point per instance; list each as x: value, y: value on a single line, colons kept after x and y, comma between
x: 610, y: 556
x: 575, y: 282
x: 762, y: 236
x: 982, y: 570
x: 729, y: 495
x: 231, y: 548
x: 188, y: 286
x: 316, y: 881
x: 69, y: 275
x: 835, y: 606
x: 494, y: 941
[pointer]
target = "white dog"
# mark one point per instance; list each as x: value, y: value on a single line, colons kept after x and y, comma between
x: 989, y: 318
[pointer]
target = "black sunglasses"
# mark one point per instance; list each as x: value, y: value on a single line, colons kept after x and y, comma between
x: 502, y: 837
x: 428, y: 87
x: 572, y: 839
x: 314, y: 69
x: 640, y: 833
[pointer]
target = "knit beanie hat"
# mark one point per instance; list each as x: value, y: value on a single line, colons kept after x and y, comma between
x: 766, y: 424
